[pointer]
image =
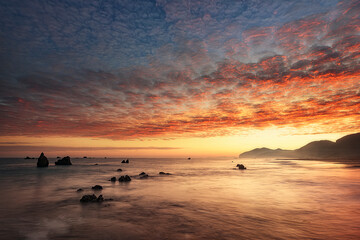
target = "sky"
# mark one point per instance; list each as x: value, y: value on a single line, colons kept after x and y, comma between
x: 176, y: 78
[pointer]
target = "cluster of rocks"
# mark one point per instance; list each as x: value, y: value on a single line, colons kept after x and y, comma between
x: 125, y: 178
x: 91, y: 198
x: 164, y: 173
x: 241, y: 166
x: 125, y: 161
x: 97, y: 187
x: 44, y: 162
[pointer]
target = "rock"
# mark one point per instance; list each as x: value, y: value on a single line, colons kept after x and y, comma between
x: 91, y: 198
x: 144, y: 176
x: 163, y: 173
x: 88, y: 198
x: 113, y: 179
x: 119, y: 170
x: 96, y: 164
x: 125, y: 178
x: 97, y: 187
x: 100, y: 198
x: 42, y: 161
x: 125, y: 161
x: 63, y: 161
x: 241, y: 166
x: 80, y: 190
x: 27, y: 157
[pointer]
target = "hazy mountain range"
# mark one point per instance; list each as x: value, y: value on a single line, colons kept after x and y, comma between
x: 347, y: 147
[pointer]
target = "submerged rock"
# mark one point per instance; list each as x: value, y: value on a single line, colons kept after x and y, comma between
x: 91, y: 198
x: 27, y: 157
x: 164, y: 173
x: 143, y: 173
x: 144, y: 176
x: 125, y: 178
x: 113, y: 179
x: 63, y: 161
x: 97, y: 187
x: 241, y: 166
x: 42, y: 161
x: 80, y: 190
x: 119, y: 170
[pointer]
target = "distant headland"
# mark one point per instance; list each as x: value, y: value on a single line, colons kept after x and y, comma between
x: 347, y: 147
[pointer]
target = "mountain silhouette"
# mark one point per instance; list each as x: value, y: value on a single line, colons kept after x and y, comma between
x: 347, y: 147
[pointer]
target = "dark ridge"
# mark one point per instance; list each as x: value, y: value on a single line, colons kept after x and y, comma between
x: 347, y: 147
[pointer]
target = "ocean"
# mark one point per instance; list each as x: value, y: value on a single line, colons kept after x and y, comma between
x: 201, y: 199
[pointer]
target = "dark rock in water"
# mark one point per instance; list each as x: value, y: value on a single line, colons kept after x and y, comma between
x: 125, y: 161
x: 80, y: 190
x: 163, y: 173
x: 113, y: 179
x: 100, y: 198
x: 27, y: 157
x: 97, y: 187
x: 119, y: 170
x: 125, y: 178
x: 42, y: 161
x: 88, y: 198
x: 241, y: 166
x: 91, y: 198
x: 58, y: 157
x: 189, y: 158
x: 63, y: 161
x: 96, y: 164
x: 85, y: 157
x: 144, y: 176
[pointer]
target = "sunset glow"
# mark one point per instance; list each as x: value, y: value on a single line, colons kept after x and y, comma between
x: 175, y: 79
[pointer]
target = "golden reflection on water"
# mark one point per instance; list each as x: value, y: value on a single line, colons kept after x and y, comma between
x: 202, y: 199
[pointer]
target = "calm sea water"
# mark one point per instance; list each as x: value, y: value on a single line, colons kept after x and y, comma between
x: 202, y: 199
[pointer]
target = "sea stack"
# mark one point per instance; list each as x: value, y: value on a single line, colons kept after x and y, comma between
x: 64, y: 161
x: 42, y: 161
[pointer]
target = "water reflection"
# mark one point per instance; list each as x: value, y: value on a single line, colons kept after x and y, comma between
x: 202, y: 199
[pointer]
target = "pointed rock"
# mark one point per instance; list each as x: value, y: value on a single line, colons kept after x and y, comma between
x: 42, y: 161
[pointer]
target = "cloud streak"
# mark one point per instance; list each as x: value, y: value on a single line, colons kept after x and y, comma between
x: 189, y: 71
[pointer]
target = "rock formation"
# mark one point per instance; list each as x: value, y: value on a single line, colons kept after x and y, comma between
x: 241, y: 166
x: 42, y: 161
x: 125, y: 178
x: 91, y: 198
x: 97, y: 187
x: 63, y: 161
